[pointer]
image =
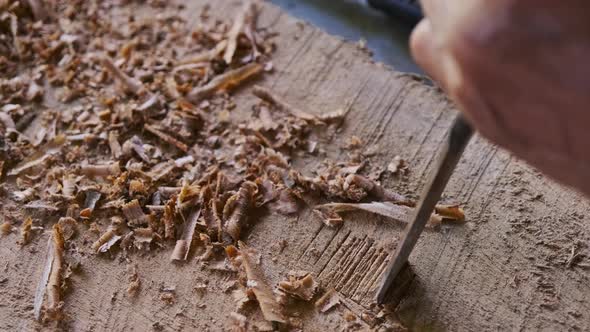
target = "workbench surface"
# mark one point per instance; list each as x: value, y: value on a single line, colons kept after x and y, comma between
x: 520, y: 262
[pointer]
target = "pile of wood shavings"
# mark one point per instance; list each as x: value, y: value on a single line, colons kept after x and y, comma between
x: 129, y: 132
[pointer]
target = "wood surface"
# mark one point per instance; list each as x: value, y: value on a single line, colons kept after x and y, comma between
x: 504, y: 269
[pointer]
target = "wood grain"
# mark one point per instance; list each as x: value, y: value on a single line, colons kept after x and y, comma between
x: 505, y: 269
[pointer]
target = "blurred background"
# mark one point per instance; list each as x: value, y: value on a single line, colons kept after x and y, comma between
x: 387, y: 37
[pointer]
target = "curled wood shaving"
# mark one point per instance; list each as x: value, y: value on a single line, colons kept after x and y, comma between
x: 42, y: 285
x: 6, y: 228
x: 240, y: 322
x: 110, y: 237
x: 134, y: 144
x: 168, y: 219
x: 68, y: 227
x: 452, y: 212
x: 183, y: 246
x: 271, y: 309
x: 236, y: 29
x: 299, y: 285
x: 235, y: 210
x: 134, y: 214
x: 25, y: 231
x: 68, y: 185
x: 54, y: 305
x: 166, y: 138
x: 266, y: 95
x: 105, y: 170
x: 134, y: 282
x: 114, y: 145
x: 161, y: 170
x: 225, y: 81
x: 142, y: 237
x: 206, y: 56
x: 354, y: 182
x: 129, y: 83
x: 92, y: 197
x: 328, y: 301
x: 387, y: 209
x: 41, y: 157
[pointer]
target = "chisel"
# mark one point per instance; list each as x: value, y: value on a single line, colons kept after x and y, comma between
x: 448, y: 158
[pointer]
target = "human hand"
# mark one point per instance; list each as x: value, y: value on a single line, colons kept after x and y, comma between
x: 520, y: 71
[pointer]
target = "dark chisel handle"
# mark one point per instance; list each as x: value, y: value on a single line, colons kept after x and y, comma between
x: 409, y: 10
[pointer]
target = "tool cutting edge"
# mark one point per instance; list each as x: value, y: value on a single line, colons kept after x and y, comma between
x: 459, y: 136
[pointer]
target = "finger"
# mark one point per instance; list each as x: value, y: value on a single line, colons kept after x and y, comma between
x: 422, y: 47
x: 435, y: 11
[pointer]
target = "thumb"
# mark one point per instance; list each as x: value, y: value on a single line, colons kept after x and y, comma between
x: 433, y: 56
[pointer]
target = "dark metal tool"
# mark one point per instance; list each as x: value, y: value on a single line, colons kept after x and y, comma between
x: 407, y: 10
x: 448, y: 158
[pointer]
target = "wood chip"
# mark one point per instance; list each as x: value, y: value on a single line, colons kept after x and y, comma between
x: 6, y: 228
x: 225, y: 82
x: 328, y: 301
x: 387, y: 209
x: 266, y: 95
x: 130, y: 84
x: 134, y: 282
x: 166, y: 138
x: 42, y: 285
x: 183, y: 245
x: 452, y: 212
x: 134, y: 214
x: 271, y: 309
x: 114, y: 145
x: 104, y: 170
x: 54, y: 304
x: 300, y: 285
x: 25, y: 231
x: 236, y: 29
x: 235, y: 210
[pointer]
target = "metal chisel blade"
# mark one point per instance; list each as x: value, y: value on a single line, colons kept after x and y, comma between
x: 450, y: 154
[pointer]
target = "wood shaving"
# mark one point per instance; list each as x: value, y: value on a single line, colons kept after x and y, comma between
x: 396, y: 165
x: 235, y: 210
x: 68, y: 227
x: 452, y: 212
x: 6, y: 228
x: 239, y: 321
x: 91, y: 198
x: 53, y: 311
x: 236, y: 29
x: 225, y: 82
x: 25, y: 231
x: 183, y: 245
x: 129, y: 84
x: 134, y: 281
x: 114, y: 145
x: 271, y: 310
x: 266, y: 95
x: 42, y: 285
x: 358, y: 186
x: 387, y: 209
x: 166, y: 138
x: 110, y: 237
x: 205, y: 56
x: 104, y: 170
x: 300, y: 285
x: 134, y: 214
x: 328, y: 301
x: 143, y: 237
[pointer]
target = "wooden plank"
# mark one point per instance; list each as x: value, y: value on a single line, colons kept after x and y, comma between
x: 505, y: 269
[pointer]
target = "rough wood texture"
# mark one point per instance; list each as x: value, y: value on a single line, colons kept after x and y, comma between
x: 505, y: 269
